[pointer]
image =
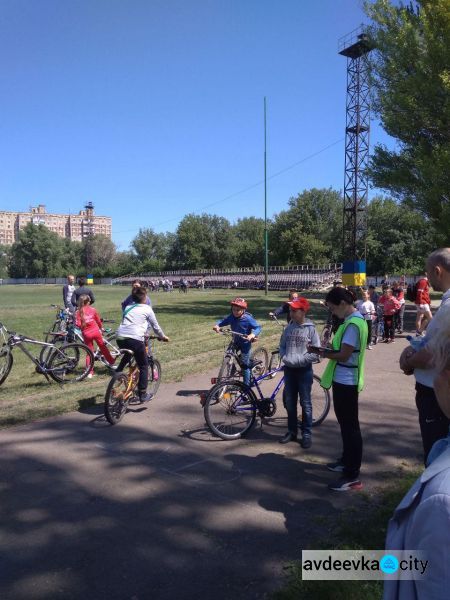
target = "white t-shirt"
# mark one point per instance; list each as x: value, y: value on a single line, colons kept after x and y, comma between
x: 366, y: 308
x: 136, y: 320
x: 438, y: 322
x: 348, y: 375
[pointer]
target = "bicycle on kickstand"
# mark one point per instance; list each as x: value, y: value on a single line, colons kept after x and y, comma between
x: 122, y: 388
x: 73, y: 334
x: 232, y: 361
x: 231, y: 407
x: 64, y: 364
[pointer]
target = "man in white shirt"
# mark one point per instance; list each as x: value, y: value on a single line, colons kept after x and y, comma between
x: 433, y: 422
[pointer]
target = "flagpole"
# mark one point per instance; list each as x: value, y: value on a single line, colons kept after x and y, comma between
x: 266, y: 237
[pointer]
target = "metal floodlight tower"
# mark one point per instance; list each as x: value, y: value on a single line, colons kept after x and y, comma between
x: 88, y: 231
x: 356, y: 47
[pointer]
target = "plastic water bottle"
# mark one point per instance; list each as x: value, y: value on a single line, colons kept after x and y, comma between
x: 415, y: 342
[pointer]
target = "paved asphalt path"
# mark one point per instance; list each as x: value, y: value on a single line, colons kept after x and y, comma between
x: 157, y: 508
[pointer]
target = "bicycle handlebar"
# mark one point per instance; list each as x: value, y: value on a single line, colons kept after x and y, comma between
x: 277, y: 321
x: 230, y: 332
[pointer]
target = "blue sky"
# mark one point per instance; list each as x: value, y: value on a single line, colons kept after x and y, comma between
x: 153, y: 109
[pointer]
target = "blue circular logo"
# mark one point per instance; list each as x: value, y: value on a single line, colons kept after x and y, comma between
x: 389, y: 564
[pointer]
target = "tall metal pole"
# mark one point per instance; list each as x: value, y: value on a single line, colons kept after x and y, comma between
x: 266, y: 237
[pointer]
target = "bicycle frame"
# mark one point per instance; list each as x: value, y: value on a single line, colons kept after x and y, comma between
x: 254, y: 384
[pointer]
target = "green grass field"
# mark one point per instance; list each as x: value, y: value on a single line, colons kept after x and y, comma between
x: 186, y: 318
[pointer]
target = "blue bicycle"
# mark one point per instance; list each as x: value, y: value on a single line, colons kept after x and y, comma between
x: 231, y: 407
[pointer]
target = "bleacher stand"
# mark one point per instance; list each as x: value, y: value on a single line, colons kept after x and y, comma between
x: 301, y: 277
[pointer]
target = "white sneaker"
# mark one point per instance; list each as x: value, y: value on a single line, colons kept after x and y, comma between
x: 90, y: 375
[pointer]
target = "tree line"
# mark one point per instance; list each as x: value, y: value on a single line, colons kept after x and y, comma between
x: 309, y: 231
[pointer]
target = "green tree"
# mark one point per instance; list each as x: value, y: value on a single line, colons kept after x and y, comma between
x: 4, y: 261
x: 310, y: 231
x: 152, y: 249
x: 98, y: 254
x: 398, y: 238
x: 203, y: 242
x: 411, y: 96
x: 248, y: 244
x: 37, y: 253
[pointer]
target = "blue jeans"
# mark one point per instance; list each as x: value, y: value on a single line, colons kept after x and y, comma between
x: 245, y: 359
x: 298, y: 382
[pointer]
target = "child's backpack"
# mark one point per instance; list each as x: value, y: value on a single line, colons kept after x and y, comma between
x: 411, y: 292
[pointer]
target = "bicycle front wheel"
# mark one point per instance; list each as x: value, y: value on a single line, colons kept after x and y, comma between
x: 262, y: 355
x: 6, y: 362
x: 275, y: 360
x: 325, y: 336
x: 154, y: 376
x: 70, y: 363
x: 116, y: 398
x: 230, y: 410
x: 320, y: 400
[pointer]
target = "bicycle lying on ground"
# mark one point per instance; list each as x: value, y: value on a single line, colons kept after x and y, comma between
x: 232, y: 361
x: 231, y: 407
x: 122, y: 388
x: 64, y: 364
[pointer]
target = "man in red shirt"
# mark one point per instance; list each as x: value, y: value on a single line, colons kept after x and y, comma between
x: 422, y: 302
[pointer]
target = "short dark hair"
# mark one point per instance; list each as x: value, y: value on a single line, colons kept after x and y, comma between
x: 81, y: 280
x: 337, y: 294
x: 139, y: 295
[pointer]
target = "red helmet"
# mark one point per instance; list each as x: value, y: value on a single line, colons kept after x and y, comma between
x: 239, y: 302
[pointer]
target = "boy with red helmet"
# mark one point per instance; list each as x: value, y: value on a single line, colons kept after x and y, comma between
x: 240, y: 321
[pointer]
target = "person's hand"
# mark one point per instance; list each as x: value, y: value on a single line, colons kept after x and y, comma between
x: 404, y: 357
x: 251, y: 337
x: 216, y: 328
x: 164, y: 338
x: 271, y: 315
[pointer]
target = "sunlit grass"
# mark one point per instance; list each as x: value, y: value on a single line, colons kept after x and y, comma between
x: 186, y: 318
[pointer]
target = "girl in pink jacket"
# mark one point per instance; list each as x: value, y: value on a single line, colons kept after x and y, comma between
x: 88, y: 320
x: 390, y: 306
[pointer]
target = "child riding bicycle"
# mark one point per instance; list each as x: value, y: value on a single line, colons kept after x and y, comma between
x: 284, y: 308
x: 240, y: 321
x: 136, y: 320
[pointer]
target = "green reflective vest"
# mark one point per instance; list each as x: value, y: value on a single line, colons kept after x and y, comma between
x: 328, y: 374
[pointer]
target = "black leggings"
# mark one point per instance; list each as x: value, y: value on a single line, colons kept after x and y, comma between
x: 345, y: 401
x: 141, y: 359
x: 389, y: 330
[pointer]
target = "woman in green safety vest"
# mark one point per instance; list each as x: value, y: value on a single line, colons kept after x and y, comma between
x: 345, y: 374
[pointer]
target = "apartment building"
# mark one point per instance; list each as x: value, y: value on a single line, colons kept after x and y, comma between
x: 75, y: 227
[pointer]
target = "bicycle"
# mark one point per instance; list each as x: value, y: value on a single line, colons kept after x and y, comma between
x: 64, y: 364
x: 378, y: 325
x: 275, y: 358
x: 327, y: 331
x: 74, y: 334
x: 63, y: 318
x: 122, y: 387
x: 232, y: 361
x: 231, y: 407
